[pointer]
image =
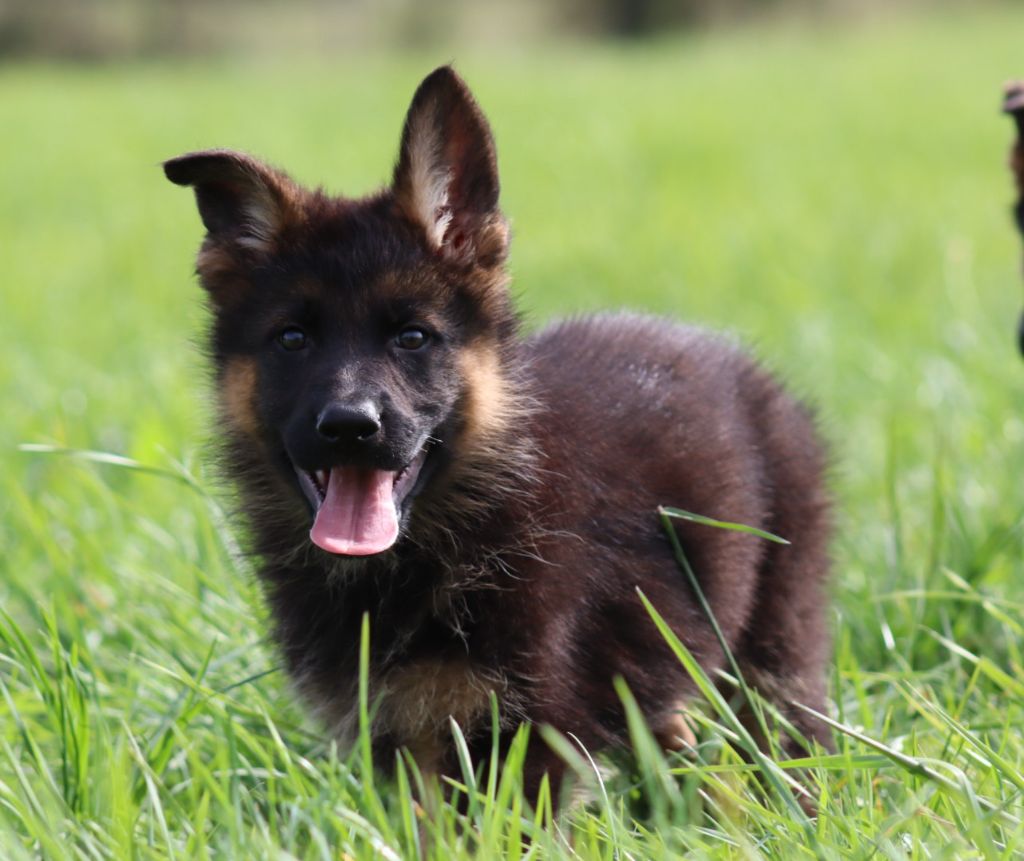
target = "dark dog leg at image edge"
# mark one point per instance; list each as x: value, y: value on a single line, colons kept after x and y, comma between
x: 1013, y: 104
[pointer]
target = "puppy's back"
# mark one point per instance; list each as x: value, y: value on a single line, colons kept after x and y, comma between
x: 634, y: 413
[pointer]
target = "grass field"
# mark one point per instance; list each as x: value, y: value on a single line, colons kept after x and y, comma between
x: 837, y: 197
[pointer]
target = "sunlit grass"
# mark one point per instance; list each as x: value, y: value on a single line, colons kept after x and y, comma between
x: 836, y: 197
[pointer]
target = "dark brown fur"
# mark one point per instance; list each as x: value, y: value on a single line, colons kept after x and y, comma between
x: 517, y: 568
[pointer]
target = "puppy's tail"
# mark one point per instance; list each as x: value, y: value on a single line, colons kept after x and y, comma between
x: 1013, y: 104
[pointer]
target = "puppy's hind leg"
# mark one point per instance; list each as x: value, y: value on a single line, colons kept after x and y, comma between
x: 784, y: 652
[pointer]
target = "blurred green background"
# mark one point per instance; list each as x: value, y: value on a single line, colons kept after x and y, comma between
x: 826, y: 180
x: 832, y: 188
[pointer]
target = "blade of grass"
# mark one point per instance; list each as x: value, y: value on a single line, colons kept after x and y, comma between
x: 940, y: 719
x: 679, y: 514
x: 917, y: 766
x: 109, y: 459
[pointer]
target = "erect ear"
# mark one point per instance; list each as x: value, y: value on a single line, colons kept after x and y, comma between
x: 239, y: 199
x: 446, y: 179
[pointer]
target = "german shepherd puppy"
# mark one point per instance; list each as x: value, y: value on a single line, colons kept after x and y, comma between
x: 489, y: 499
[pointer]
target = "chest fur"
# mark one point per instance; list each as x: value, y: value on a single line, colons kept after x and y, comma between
x: 413, y: 704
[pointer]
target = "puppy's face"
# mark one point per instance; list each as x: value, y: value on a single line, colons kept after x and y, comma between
x: 342, y: 327
x: 353, y: 385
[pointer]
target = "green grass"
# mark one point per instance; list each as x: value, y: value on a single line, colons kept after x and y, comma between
x: 837, y: 197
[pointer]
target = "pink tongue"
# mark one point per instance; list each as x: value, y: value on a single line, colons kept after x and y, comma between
x: 358, y: 517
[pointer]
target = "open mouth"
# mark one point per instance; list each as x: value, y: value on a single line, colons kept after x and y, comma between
x: 358, y: 509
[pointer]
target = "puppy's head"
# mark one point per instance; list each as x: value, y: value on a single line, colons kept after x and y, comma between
x: 354, y: 338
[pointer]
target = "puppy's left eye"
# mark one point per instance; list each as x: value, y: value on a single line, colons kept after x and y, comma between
x: 292, y: 338
x: 411, y: 338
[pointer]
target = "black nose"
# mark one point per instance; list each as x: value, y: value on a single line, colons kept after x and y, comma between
x: 348, y: 424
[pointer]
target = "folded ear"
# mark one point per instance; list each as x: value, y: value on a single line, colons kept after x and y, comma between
x: 239, y: 199
x: 446, y: 179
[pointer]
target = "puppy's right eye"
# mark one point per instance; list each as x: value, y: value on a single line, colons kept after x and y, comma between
x: 292, y: 338
x: 411, y: 338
